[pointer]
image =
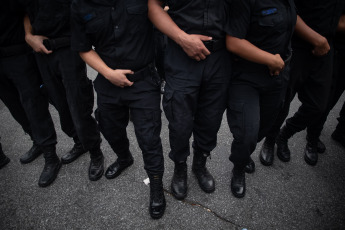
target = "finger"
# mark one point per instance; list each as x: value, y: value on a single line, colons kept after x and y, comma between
x: 44, y: 49
x: 197, y: 58
x: 205, y: 51
x: 127, y: 71
x: 202, y: 57
x: 204, y: 38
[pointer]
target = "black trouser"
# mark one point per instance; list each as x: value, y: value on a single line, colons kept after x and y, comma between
x: 254, y: 101
x: 19, y: 75
x: 142, y: 100
x: 337, y: 89
x: 71, y: 92
x: 194, y: 99
x: 310, y: 77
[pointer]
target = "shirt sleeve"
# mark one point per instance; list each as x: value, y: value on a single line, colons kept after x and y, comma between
x: 80, y: 42
x: 239, y: 19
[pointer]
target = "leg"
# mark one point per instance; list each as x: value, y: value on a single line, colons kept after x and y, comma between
x: 243, y: 116
x: 113, y: 120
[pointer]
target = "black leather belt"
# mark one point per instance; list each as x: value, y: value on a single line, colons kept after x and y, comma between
x: 141, y: 73
x: 215, y: 45
x: 56, y: 43
x: 13, y: 50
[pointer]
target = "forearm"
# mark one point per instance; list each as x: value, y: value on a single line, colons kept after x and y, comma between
x: 163, y: 21
x: 94, y: 60
x: 27, y: 26
x: 247, y: 50
x: 307, y: 33
x: 341, y: 24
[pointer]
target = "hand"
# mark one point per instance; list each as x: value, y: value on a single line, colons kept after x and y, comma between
x: 193, y: 46
x: 118, y: 77
x: 322, y: 47
x: 276, y: 65
x: 36, y: 43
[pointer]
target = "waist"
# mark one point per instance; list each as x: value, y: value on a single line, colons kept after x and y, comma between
x: 57, y: 43
x: 142, y: 73
x: 215, y: 45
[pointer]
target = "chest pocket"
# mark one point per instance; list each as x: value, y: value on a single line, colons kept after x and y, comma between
x: 270, y: 20
x: 137, y: 18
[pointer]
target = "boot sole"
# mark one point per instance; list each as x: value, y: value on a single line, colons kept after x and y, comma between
x: 265, y: 163
x: 30, y: 159
x: 158, y: 216
x: 52, y: 179
x: 178, y: 197
x: 283, y: 159
x: 118, y: 172
x: 63, y: 161
x: 211, y: 190
x: 309, y: 162
x: 96, y: 178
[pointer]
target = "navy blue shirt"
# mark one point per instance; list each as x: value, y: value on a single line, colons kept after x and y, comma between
x: 267, y: 24
x: 50, y: 18
x: 119, y: 30
x: 206, y: 17
x: 320, y: 15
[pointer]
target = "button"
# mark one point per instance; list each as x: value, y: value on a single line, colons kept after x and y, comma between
x: 112, y: 8
x: 116, y: 27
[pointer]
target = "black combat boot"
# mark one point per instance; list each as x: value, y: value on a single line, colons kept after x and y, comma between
x: 310, y: 153
x: 250, y: 167
x: 179, y: 181
x: 238, y: 182
x: 320, y: 146
x: 34, y: 152
x: 266, y: 155
x: 74, y: 153
x: 51, y: 167
x: 123, y: 161
x: 4, y: 160
x: 283, y: 151
x: 205, y: 179
x: 96, y: 167
x: 157, y: 199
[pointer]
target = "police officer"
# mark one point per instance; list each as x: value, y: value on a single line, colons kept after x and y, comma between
x: 260, y: 34
x: 19, y: 75
x: 64, y: 75
x: 127, y: 81
x: 338, y: 86
x: 197, y: 67
x: 311, y: 73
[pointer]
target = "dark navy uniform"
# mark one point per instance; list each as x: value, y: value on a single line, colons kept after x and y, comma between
x: 105, y: 26
x: 20, y: 80
x: 337, y: 89
x: 255, y: 96
x: 19, y: 75
x: 310, y: 77
x: 64, y: 73
x: 195, y: 92
x: 122, y: 36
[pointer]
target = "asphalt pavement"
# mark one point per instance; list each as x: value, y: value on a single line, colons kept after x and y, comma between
x: 291, y: 195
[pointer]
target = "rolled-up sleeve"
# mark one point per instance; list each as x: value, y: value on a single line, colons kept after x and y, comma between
x: 239, y: 19
x: 80, y: 42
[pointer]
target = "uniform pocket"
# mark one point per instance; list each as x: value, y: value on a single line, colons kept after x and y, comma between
x: 270, y: 20
x: 139, y: 9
